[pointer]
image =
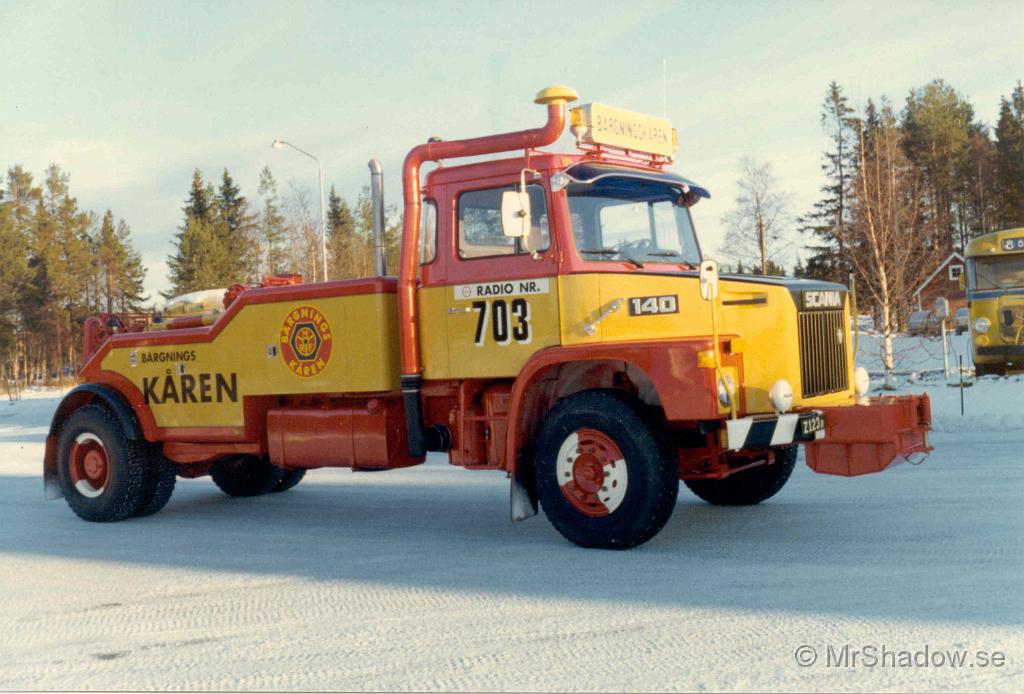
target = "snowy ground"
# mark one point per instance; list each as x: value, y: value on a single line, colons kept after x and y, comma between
x: 415, y: 579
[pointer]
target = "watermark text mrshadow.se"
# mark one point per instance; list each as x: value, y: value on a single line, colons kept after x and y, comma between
x: 873, y: 655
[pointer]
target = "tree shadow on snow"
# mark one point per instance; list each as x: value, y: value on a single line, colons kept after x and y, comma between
x: 815, y: 550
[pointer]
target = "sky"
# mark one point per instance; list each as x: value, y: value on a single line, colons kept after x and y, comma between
x: 130, y: 97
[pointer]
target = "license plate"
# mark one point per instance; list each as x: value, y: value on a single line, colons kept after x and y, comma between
x: 812, y: 424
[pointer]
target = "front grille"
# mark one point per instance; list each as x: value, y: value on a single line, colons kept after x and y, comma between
x: 823, y: 367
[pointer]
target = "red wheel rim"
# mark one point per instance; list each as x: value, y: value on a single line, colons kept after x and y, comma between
x: 89, y: 465
x: 591, y: 472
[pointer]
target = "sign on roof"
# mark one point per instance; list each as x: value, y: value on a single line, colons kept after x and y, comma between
x: 597, y: 124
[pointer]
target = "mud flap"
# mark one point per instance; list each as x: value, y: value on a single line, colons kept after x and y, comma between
x: 51, y: 485
x: 871, y: 436
x: 522, y: 504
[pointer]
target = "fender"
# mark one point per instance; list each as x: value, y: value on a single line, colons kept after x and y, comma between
x: 685, y: 391
x: 80, y: 397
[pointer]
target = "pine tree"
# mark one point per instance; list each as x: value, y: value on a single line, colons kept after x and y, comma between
x: 831, y: 214
x: 63, y: 247
x: 937, y: 128
x: 269, y: 241
x: 121, y: 272
x: 58, y: 264
x: 236, y: 225
x: 343, y: 247
x: 198, y: 205
x: 131, y: 295
x: 1009, y: 156
x: 21, y: 200
x: 204, y: 258
x: 14, y: 277
x: 978, y: 202
x: 109, y: 257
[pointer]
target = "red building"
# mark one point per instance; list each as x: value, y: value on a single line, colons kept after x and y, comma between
x: 945, y: 281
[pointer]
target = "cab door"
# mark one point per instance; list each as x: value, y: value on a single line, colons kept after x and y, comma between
x: 502, y: 293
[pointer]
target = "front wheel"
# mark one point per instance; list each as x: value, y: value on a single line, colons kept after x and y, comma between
x: 602, y: 477
x: 750, y: 486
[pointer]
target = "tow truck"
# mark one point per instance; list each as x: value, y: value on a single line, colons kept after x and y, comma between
x: 553, y: 317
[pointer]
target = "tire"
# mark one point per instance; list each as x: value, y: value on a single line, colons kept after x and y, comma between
x: 289, y: 479
x: 104, y: 476
x: 245, y: 475
x: 163, y: 475
x: 587, y: 440
x: 750, y: 486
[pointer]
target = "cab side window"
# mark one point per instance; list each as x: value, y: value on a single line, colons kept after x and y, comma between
x: 428, y: 232
x: 480, y: 232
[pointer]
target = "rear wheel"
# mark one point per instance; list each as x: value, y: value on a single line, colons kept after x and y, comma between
x: 750, y: 486
x: 103, y: 475
x: 289, y: 479
x: 245, y: 475
x: 602, y: 478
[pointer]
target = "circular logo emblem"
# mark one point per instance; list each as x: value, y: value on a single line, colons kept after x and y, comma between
x: 306, y: 341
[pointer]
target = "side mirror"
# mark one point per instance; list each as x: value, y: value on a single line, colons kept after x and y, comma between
x: 709, y: 280
x: 515, y: 213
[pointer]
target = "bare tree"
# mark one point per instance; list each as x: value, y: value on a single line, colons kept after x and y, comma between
x: 889, y: 246
x: 303, y: 233
x: 756, y: 224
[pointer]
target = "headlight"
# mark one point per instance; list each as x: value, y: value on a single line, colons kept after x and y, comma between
x: 781, y: 395
x: 981, y: 325
x: 725, y: 387
x: 861, y: 381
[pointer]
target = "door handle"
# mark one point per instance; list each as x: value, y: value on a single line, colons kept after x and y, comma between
x: 591, y: 328
x: 460, y: 309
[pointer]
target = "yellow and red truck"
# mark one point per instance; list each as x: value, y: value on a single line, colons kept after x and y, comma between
x: 552, y: 317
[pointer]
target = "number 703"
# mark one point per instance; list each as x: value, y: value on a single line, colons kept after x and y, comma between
x: 507, y: 322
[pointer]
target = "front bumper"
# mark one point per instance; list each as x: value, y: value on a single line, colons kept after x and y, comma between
x: 764, y: 430
x: 872, y: 435
x: 847, y: 440
x: 1001, y: 351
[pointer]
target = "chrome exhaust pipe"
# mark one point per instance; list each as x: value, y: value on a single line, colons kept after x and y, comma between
x: 377, y: 196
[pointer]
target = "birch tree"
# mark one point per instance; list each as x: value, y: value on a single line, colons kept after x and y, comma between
x: 756, y: 224
x: 889, y: 248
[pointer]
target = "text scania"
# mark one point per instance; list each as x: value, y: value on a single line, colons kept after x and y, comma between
x: 186, y: 388
x: 823, y: 299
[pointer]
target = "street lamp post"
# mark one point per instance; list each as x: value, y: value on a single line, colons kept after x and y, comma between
x: 280, y: 144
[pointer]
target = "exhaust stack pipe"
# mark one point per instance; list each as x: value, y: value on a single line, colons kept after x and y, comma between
x: 556, y: 99
x: 377, y: 196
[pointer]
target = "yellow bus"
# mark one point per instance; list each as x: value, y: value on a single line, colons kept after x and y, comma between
x: 995, y: 294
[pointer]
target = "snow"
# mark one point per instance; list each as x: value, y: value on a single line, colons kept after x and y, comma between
x: 416, y: 580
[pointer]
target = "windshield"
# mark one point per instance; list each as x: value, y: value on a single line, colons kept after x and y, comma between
x: 619, y: 218
x: 996, y: 272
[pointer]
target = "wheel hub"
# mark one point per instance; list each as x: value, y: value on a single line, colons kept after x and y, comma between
x: 588, y: 473
x: 89, y: 465
x: 591, y: 472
